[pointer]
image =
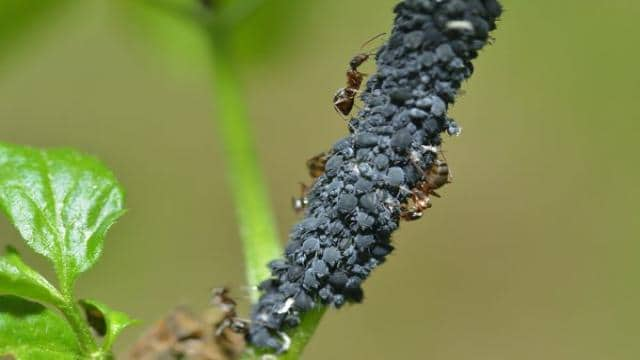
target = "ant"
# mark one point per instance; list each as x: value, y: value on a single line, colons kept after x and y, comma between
x: 221, y: 298
x: 419, y: 203
x: 435, y: 177
x: 316, y: 166
x: 345, y: 97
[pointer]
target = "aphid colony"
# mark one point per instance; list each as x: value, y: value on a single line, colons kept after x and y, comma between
x: 436, y: 176
x: 387, y: 169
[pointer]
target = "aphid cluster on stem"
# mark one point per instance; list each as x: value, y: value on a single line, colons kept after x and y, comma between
x: 384, y: 170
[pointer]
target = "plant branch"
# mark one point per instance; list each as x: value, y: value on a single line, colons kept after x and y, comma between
x: 301, y: 335
x: 258, y: 232
x: 79, y: 326
x: 239, y: 10
x: 257, y: 228
x: 179, y: 11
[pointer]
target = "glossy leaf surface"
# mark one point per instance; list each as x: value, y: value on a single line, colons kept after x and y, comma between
x: 62, y: 203
x: 29, y: 331
x: 17, y: 278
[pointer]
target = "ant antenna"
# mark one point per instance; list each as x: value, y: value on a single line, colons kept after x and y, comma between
x: 372, y: 39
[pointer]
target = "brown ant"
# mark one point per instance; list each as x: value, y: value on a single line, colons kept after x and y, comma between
x: 419, y: 203
x: 220, y: 298
x: 315, y: 165
x: 345, y: 97
x: 437, y: 176
x: 434, y: 178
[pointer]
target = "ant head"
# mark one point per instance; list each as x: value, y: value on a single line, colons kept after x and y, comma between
x: 358, y: 60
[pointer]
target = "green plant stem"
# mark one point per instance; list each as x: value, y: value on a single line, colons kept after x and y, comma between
x: 258, y: 232
x: 79, y: 326
x: 257, y: 228
x: 303, y: 333
x: 237, y: 11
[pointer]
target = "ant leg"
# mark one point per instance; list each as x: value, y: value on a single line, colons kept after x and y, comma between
x: 240, y: 326
x: 246, y: 290
x: 411, y: 215
x: 351, y: 128
x: 225, y: 323
x: 303, y: 189
x: 406, y: 190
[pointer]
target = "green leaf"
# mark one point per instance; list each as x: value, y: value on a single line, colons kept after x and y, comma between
x: 62, y: 203
x: 17, y: 278
x: 30, y: 331
x: 105, y: 322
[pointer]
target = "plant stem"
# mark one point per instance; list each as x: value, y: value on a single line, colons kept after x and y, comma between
x: 258, y: 232
x: 79, y: 326
x: 303, y: 333
x: 237, y: 11
x: 257, y: 229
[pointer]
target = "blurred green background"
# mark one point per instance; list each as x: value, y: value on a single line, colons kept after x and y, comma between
x: 531, y: 253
